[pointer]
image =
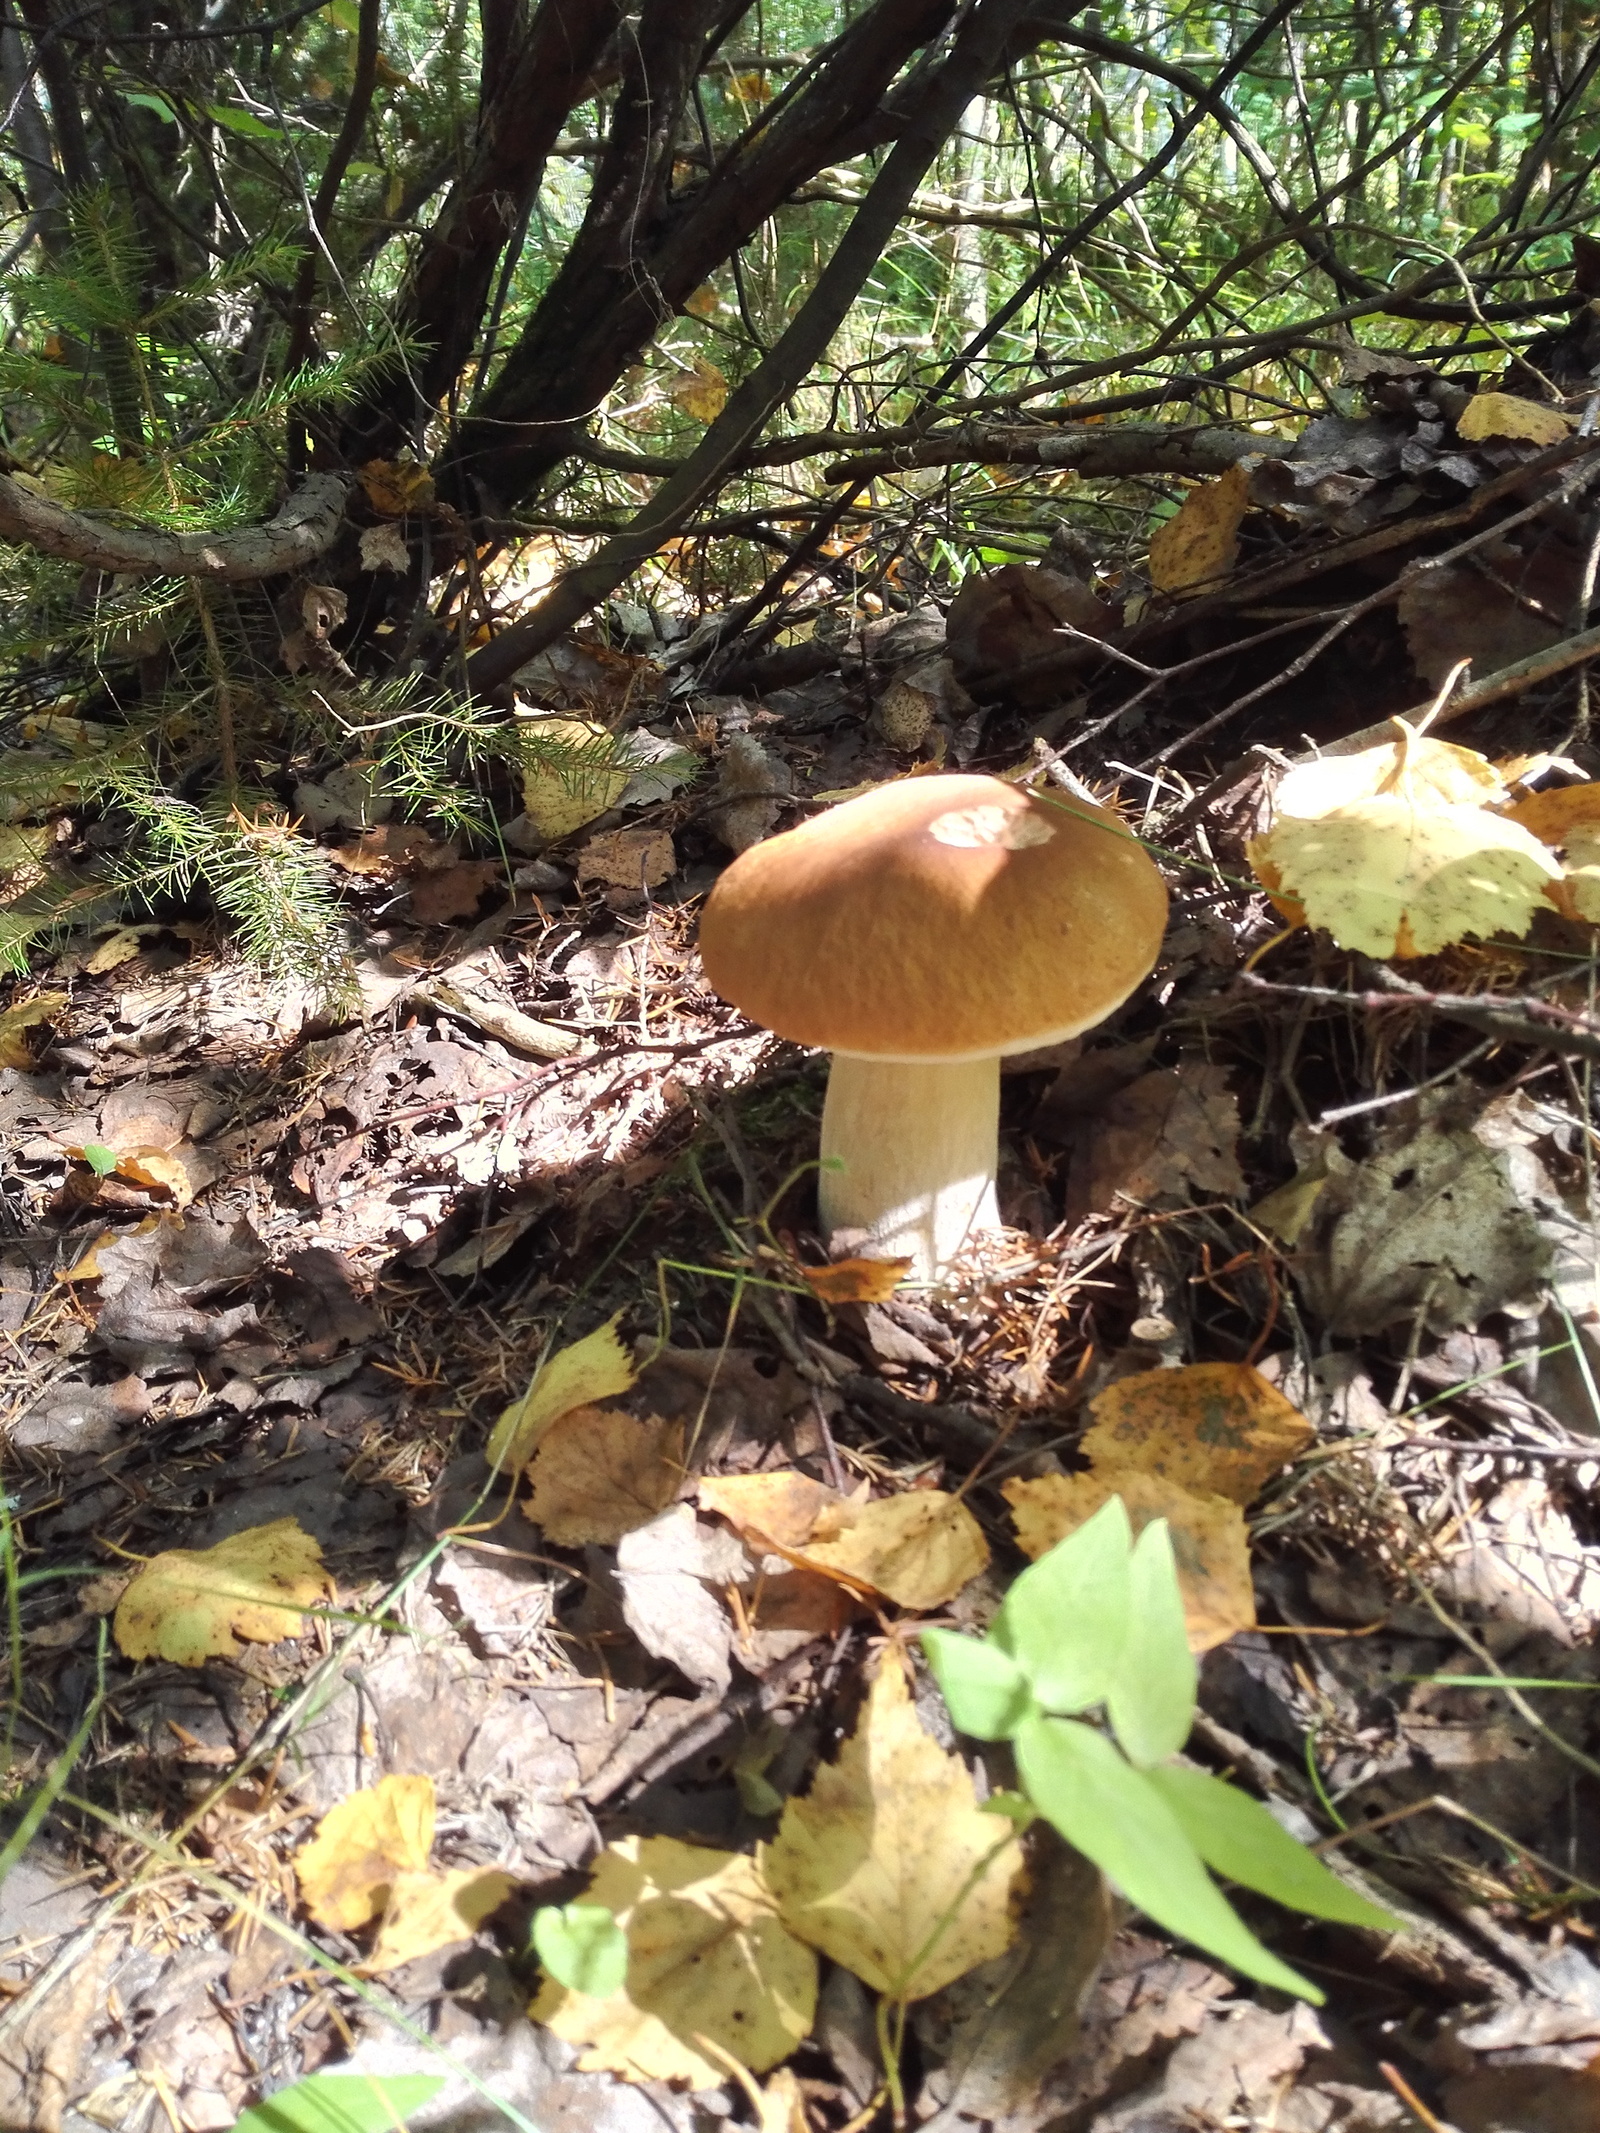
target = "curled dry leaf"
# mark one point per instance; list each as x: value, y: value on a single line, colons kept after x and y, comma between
x: 1208, y: 1538
x: 189, y: 1605
x: 596, y: 1368
x: 362, y: 1845
x: 396, y: 487
x: 600, y: 1472
x: 701, y: 392
x: 1199, y: 544
x: 384, y: 548
x: 866, y: 1281
x: 888, y: 1865
x: 708, y: 1957
x: 918, y: 1550
x: 628, y: 859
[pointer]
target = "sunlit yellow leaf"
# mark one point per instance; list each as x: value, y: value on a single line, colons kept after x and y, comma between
x: 596, y: 1368
x: 15, y: 1024
x: 362, y: 1845
x: 1216, y: 1428
x: 1508, y: 415
x: 189, y: 1605
x: 1199, y: 544
x: 430, y: 1910
x: 856, y: 1280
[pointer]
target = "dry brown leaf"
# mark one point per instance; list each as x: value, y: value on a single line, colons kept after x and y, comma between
x: 707, y: 1956
x: 918, y: 1550
x: 440, y: 899
x: 384, y: 548
x: 189, y: 1605
x: 887, y: 1864
x: 1212, y: 1428
x: 1508, y: 415
x: 868, y: 1281
x: 600, y: 1472
x: 628, y: 859
x: 16, y: 1023
x: 429, y: 1910
x: 782, y: 1508
x: 1208, y: 1538
x: 361, y: 1847
x: 396, y: 487
x: 1199, y: 544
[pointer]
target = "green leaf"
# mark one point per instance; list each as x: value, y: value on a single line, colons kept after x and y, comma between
x: 237, y: 120
x: 1238, y: 1839
x: 1151, y: 1701
x: 1115, y: 1816
x: 1065, y: 1620
x: 100, y: 1159
x: 582, y: 1947
x: 344, y: 15
x: 341, y: 2103
x: 984, y: 1686
x: 147, y: 100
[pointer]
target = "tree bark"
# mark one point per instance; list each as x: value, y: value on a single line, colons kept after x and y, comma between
x: 304, y: 529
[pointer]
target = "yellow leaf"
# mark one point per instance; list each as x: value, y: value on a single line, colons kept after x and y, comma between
x: 1199, y: 544
x: 599, y: 1473
x: 707, y: 1956
x: 1552, y: 816
x: 704, y: 302
x: 362, y: 1845
x: 701, y: 392
x: 1208, y: 1538
x: 116, y: 949
x: 867, y: 1281
x: 918, y: 1550
x: 782, y: 1508
x: 15, y: 1022
x: 1211, y: 1428
x: 887, y: 1864
x: 157, y: 1170
x: 1507, y: 415
x: 751, y: 88
x: 1385, y: 877
x: 397, y: 487
x: 1421, y: 771
x: 560, y: 797
x: 596, y: 1368
x: 189, y: 1605
x: 430, y: 1910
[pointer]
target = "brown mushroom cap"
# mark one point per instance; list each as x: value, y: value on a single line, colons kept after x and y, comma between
x: 940, y: 918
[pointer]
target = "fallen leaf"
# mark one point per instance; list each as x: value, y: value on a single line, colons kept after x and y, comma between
x: 570, y: 774
x: 1170, y: 1134
x: 670, y: 1573
x: 1212, y: 1428
x: 384, y: 548
x: 431, y: 1910
x: 1552, y: 816
x: 782, y: 1508
x: 1508, y: 415
x: 708, y: 1956
x: 701, y: 392
x: 1406, y: 866
x: 599, y: 1472
x: 440, y: 899
x: 396, y: 487
x: 362, y: 1845
x: 1199, y: 544
x: 628, y: 859
x: 1208, y: 1538
x: 856, y: 1280
x: 157, y: 1170
x: 119, y: 947
x: 189, y: 1605
x: 918, y: 1550
x: 887, y: 1864
x: 596, y: 1368
x: 16, y: 1022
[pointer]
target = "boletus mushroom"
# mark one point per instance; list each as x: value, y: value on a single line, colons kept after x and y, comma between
x: 920, y: 933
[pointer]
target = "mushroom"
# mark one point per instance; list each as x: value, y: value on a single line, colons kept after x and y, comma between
x: 920, y: 933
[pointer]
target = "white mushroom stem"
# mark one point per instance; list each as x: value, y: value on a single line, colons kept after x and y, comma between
x: 914, y: 1149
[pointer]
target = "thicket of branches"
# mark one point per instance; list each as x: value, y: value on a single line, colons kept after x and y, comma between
x: 735, y: 304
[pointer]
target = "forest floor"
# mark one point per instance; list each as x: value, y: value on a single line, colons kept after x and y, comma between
x: 313, y: 1257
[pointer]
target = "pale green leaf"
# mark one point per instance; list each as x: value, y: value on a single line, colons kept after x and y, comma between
x: 342, y: 2103
x: 1151, y: 1701
x: 582, y: 1947
x: 985, y: 1688
x: 1065, y: 1619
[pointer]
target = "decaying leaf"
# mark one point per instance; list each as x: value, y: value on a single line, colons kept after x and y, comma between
x: 1208, y: 1538
x: 1384, y: 851
x: 362, y: 1845
x: 887, y: 1864
x: 868, y: 1281
x: 1199, y: 544
x: 430, y: 1910
x: 628, y: 859
x: 1508, y: 415
x: 596, y: 1368
x: 384, y: 548
x: 600, y: 1472
x: 701, y: 392
x: 189, y: 1605
x: 16, y: 1049
x: 1216, y: 1428
x: 918, y: 1550
x: 708, y: 1956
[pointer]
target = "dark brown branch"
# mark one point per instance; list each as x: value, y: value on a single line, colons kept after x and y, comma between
x: 1523, y: 1020
x: 1153, y: 448
x: 304, y: 529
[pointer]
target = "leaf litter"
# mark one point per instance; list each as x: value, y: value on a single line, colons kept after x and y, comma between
x: 676, y: 1589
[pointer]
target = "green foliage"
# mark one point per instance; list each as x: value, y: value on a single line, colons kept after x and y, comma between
x: 582, y: 1947
x: 342, y: 2103
x: 1098, y: 1622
